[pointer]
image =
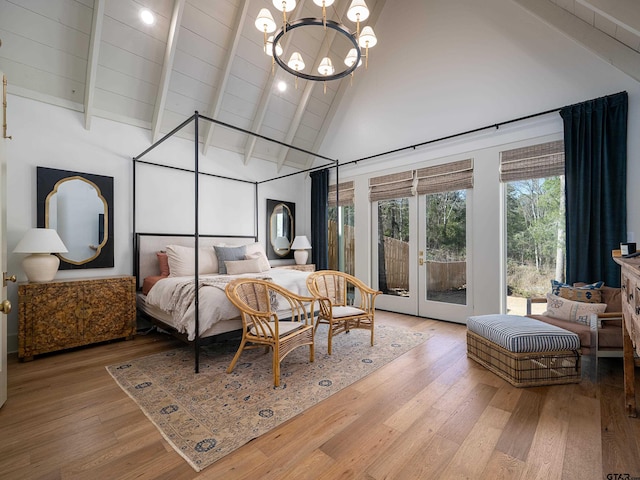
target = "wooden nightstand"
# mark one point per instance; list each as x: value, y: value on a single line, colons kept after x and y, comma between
x: 307, y: 267
x: 63, y: 314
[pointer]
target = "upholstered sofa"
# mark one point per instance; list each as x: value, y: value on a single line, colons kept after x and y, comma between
x: 601, y: 333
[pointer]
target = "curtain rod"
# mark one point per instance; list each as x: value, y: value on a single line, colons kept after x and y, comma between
x: 475, y: 130
x: 448, y: 137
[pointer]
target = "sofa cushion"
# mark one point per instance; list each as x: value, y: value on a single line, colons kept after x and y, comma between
x: 555, y: 286
x: 579, y: 312
x: 522, y: 334
x: 612, y: 296
x: 586, y: 295
x: 609, y: 336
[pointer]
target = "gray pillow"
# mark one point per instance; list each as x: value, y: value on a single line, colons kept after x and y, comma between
x: 228, y: 254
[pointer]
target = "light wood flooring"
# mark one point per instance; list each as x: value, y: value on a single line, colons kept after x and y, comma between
x: 432, y: 413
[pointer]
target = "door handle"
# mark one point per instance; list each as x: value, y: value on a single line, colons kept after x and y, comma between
x: 421, y: 261
x: 5, y: 307
x: 7, y: 278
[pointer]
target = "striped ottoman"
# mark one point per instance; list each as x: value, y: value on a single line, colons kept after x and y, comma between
x: 524, y: 351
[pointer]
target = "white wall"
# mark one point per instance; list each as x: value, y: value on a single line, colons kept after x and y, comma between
x: 49, y: 136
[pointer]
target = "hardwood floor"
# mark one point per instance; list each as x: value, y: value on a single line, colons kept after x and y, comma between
x: 431, y: 413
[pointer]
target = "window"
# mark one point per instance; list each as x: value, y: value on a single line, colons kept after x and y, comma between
x: 341, y: 228
x: 535, y: 221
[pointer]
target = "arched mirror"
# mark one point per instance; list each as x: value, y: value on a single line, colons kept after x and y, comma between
x: 280, y: 228
x: 79, y: 206
x: 76, y: 209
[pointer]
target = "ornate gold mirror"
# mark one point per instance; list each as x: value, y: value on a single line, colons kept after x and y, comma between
x: 79, y: 206
x: 76, y: 209
x: 280, y: 228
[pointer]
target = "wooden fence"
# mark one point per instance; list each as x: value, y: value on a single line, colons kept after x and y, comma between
x: 443, y: 276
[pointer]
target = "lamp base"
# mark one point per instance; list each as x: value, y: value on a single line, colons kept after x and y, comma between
x: 40, y: 267
x: 301, y: 256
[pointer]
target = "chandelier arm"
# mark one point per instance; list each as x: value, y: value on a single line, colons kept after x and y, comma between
x: 305, y: 22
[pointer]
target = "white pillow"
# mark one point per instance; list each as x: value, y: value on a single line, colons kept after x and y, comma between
x: 256, y: 250
x: 182, y: 260
x: 579, y: 312
x: 235, y: 267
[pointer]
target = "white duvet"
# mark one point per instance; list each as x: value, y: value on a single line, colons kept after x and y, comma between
x: 214, y: 304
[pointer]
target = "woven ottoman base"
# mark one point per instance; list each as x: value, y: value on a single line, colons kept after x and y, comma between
x: 528, y: 369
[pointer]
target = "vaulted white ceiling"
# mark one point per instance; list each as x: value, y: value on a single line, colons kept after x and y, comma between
x: 97, y: 57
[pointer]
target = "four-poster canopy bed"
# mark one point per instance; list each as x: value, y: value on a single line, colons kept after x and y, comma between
x: 168, y: 266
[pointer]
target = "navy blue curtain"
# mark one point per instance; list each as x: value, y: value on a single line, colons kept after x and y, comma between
x: 595, y: 142
x: 320, y: 218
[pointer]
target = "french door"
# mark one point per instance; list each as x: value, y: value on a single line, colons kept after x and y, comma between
x: 420, y: 255
x: 6, y: 307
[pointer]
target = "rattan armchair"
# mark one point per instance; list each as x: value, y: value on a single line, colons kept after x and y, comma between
x: 345, y: 302
x: 258, y: 302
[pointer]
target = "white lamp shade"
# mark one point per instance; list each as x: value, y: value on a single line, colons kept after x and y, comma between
x: 367, y: 37
x: 300, y: 245
x: 351, y: 58
x: 281, y: 243
x: 40, y: 266
x: 301, y: 242
x: 268, y: 48
x: 325, y: 3
x: 40, y: 240
x: 326, y: 67
x: 358, y: 11
x: 265, y: 21
x: 295, y: 62
x: 284, y: 5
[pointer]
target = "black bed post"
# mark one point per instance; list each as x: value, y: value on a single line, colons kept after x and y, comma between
x: 196, y: 245
x: 255, y: 216
x: 339, y: 225
x: 135, y: 259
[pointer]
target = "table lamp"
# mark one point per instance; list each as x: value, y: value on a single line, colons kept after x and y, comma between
x: 301, y: 246
x: 40, y: 266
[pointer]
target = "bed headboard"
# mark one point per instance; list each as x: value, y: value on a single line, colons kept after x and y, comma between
x: 148, y: 244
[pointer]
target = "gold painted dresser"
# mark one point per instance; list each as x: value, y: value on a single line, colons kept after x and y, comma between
x: 71, y: 313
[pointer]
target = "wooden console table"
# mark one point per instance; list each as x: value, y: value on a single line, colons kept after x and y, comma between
x: 307, y: 267
x: 630, y: 276
x: 63, y: 314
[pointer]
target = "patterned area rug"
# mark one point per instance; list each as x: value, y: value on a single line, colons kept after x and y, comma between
x: 205, y: 416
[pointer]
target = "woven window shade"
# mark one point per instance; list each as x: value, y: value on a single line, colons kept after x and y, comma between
x: 536, y: 161
x: 446, y: 177
x: 345, y: 194
x: 387, y: 187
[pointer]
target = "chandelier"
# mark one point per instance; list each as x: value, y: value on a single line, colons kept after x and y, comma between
x: 358, y: 42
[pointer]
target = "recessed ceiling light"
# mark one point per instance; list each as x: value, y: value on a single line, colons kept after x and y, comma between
x: 282, y: 85
x: 147, y: 17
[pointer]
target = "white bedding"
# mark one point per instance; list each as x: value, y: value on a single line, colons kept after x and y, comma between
x: 214, y: 304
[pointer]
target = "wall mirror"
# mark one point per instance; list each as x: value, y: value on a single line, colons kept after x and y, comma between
x: 280, y: 228
x: 79, y: 206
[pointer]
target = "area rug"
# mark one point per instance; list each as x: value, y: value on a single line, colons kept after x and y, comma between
x: 205, y: 416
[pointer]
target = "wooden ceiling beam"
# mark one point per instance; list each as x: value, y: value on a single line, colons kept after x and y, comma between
x: 261, y: 111
x: 344, y: 85
x: 216, y: 104
x: 92, y: 60
x: 624, y: 13
x: 302, y: 106
x: 599, y: 43
x: 167, y: 68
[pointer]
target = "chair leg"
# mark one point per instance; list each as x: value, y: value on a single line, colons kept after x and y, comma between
x: 276, y: 369
x: 236, y: 357
x: 372, y: 333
